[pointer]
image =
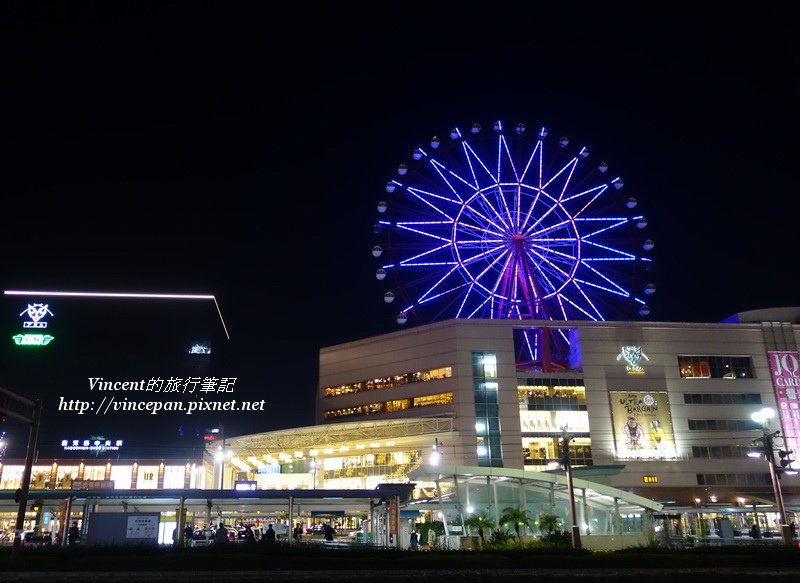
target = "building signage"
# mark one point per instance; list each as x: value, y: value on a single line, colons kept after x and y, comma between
x: 642, y: 425
x: 632, y: 355
x: 785, y: 369
x: 142, y: 526
x: 394, y: 516
x: 94, y: 444
x: 92, y: 484
x: 199, y: 348
x: 650, y: 479
x: 34, y: 318
x: 32, y: 339
x: 36, y: 314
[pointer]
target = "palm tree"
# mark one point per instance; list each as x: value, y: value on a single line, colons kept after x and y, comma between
x: 548, y: 523
x: 518, y: 517
x: 480, y: 522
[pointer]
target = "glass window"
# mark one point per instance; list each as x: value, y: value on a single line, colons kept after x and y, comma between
x: 715, y: 367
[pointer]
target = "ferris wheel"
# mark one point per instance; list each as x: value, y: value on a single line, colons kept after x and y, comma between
x: 510, y: 223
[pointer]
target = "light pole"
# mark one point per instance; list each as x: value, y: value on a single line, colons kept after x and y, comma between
x: 576, y: 533
x: 768, y: 449
x: 436, y: 455
x: 221, y: 455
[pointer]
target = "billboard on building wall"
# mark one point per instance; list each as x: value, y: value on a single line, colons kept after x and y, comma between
x: 642, y: 424
x: 785, y: 369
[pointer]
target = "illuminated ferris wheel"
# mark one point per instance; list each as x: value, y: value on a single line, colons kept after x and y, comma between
x: 510, y: 223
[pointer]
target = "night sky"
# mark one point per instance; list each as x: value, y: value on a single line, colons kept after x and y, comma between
x: 212, y: 148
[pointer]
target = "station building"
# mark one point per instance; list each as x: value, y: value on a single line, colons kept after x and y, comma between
x: 474, y: 415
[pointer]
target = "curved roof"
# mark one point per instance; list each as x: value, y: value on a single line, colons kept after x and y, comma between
x: 599, y: 493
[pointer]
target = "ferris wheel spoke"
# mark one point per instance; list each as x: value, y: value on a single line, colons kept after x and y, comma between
x: 537, y: 149
x: 606, y: 278
x: 616, y: 222
x: 422, y: 196
x: 476, y: 213
x: 596, y: 191
x: 569, y: 169
x: 564, y: 298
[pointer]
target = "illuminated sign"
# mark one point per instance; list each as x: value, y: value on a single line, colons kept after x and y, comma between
x: 92, y: 485
x: 642, y: 425
x: 650, y: 479
x: 632, y: 356
x: 245, y: 485
x: 32, y: 339
x: 36, y: 313
x: 785, y: 369
x: 200, y: 349
x: 95, y: 444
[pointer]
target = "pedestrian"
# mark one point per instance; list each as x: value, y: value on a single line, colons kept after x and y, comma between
x: 269, y: 535
x: 297, y: 533
x: 74, y: 534
x: 793, y: 529
x: 414, y: 540
x: 755, y: 531
x: 175, y: 537
x: 249, y: 535
x: 329, y: 532
x: 432, y: 538
x: 188, y: 535
x: 221, y: 536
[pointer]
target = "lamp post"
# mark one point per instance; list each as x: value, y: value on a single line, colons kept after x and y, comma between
x: 436, y: 455
x: 766, y: 441
x: 576, y: 533
x: 221, y: 455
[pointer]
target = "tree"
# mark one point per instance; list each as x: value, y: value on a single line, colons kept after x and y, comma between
x: 518, y: 517
x: 549, y: 524
x: 480, y: 522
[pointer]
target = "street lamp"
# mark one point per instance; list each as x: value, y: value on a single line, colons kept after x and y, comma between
x: 436, y: 456
x: 768, y: 449
x: 220, y: 456
x: 576, y: 533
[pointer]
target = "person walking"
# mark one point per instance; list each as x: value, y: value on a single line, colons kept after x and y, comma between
x: 221, y: 536
x: 297, y: 533
x: 414, y: 540
x: 249, y: 535
x: 188, y: 535
x: 329, y: 532
x: 269, y: 535
x: 74, y: 534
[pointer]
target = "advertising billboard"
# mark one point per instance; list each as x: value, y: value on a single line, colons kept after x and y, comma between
x: 642, y: 424
x: 785, y: 369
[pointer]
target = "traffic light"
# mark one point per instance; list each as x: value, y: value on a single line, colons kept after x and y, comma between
x: 785, y: 460
x: 3, y: 407
x: 18, y: 495
x: 35, y: 507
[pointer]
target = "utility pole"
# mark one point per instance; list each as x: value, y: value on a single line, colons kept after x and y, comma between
x: 565, y: 461
x: 766, y: 442
x: 33, y: 419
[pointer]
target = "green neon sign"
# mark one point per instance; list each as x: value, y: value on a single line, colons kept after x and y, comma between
x: 32, y: 339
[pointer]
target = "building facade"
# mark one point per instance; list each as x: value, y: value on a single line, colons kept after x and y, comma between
x: 664, y: 408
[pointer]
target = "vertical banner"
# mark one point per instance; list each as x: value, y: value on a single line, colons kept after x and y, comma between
x: 785, y: 369
x: 394, y: 515
x: 642, y: 424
